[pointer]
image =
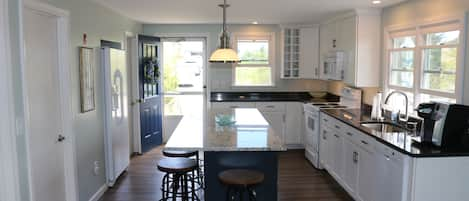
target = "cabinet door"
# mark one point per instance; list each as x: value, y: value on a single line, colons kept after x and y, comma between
x: 309, y: 53
x: 390, y: 178
x: 324, y: 147
x: 348, y: 43
x: 276, y: 121
x: 337, y: 155
x: 366, y: 175
x: 350, y: 166
x: 294, y: 124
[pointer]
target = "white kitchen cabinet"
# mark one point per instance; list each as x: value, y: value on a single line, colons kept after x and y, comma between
x: 324, y: 154
x: 390, y: 166
x: 227, y: 105
x: 277, y: 122
x: 350, y: 167
x: 367, y: 166
x: 336, y: 153
x: 300, y: 52
x: 358, y: 35
x: 294, y: 125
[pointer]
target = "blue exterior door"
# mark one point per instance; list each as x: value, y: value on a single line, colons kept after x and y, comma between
x: 150, y: 92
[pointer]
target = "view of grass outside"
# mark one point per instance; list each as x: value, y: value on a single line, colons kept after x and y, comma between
x: 254, y: 69
x: 439, y: 69
x: 253, y: 76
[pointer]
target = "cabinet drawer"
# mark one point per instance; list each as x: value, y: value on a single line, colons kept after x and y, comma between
x: 228, y: 105
x: 389, y: 152
x: 326, y: 120
x: 365, y: 141
x: 271, y: 106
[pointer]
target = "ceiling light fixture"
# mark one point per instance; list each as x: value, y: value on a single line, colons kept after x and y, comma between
x: 376, y: 2
x: 255, y: 22
x: 224, y: 54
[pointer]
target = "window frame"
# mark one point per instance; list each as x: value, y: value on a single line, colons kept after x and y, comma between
x: 419, y: 30
x: 270, y: 37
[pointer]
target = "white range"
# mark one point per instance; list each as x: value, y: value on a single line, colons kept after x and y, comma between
x: 349, y: 98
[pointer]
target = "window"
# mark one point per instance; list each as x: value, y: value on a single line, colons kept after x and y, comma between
x: 256, y: 53
x: 423, y: 62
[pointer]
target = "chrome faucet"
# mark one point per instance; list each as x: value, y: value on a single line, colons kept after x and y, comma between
x: 406, y: 102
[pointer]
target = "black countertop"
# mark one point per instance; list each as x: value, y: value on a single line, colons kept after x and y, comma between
x: 273, y: 96
x: 398, y: 141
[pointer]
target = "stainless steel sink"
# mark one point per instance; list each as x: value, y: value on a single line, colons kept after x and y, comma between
x: 384, y: 127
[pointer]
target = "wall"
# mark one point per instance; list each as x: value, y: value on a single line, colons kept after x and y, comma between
x: 99, y: 23
x: 220, y: 75
x: 417, y: 10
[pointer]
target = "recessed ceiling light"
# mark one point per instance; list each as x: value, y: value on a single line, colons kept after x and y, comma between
x: 255, y: 22
x: 376, y: 2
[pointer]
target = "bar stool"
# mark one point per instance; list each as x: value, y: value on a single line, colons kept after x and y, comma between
x: 240, y: 181
x: 176, y: 180
x: 199, y: 176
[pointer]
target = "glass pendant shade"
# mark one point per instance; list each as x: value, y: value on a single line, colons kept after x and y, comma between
x: 224, y: 54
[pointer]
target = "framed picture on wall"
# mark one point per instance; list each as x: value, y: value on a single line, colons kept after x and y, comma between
x: 87, y: 88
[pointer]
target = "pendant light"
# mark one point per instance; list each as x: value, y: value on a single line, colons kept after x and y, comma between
x: 224, y: 54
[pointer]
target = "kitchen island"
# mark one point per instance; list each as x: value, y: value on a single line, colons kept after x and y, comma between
x: 233, y: 138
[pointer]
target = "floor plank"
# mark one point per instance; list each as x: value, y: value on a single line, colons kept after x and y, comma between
x: 298, y: 180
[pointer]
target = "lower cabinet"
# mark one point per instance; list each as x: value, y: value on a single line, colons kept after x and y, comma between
x: 391, y: 175
x: 286, y: 118
x: 350, y: 166
x: 365, y: 188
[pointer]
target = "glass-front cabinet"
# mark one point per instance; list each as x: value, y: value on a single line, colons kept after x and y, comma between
x: 300, y: 56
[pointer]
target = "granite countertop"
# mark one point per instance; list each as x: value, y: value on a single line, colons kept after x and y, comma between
x: 399, y: 141
x: 273, y: 96
x: 249, y: 132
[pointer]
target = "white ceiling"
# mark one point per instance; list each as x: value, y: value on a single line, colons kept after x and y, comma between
x: 241, y: 11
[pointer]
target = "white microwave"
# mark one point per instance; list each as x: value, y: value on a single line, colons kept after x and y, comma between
x: 334, y: 65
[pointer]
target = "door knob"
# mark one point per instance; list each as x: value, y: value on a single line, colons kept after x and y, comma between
x: 60, y: 138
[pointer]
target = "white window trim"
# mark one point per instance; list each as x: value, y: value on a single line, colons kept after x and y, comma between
x: 272, y: 59
x: 418, y: 29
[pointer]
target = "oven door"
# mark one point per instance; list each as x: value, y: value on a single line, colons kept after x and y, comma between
x: 312, y: 130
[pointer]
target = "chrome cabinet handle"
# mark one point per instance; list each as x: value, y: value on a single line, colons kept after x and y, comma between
x: 364, y: 142
x: 349, y: 134
x: 355, y: 157
x: 338, y: 127
x: 233, y: 106
x: 335, y: 135
x: 270, y: 106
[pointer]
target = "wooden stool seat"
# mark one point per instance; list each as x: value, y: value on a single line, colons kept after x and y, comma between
x: 183, y: 154
x: 241, y: 177
x: 177, y: 165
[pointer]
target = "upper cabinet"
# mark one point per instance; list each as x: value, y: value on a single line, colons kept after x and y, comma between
x: 357, y: 34
x: 300, y: 52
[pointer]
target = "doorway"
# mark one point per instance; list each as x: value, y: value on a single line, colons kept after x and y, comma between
x: 46, y: 81
x: 184, y: 88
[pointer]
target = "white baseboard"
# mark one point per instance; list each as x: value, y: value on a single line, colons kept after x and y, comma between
x: 99, y: 193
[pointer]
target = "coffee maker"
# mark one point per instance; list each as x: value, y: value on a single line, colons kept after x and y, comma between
x: 445, y: 125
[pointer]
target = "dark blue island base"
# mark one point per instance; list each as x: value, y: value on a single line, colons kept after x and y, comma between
x: 264, y: 161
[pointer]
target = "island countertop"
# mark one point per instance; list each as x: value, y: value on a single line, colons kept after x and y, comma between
x: 246, y: 130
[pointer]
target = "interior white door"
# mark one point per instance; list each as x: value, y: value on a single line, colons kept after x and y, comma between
x: 43, y: 103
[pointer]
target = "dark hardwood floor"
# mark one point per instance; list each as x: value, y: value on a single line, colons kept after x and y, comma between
x: 298, y: 180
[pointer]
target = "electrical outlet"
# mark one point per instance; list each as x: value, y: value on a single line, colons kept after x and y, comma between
x: 97, y: 168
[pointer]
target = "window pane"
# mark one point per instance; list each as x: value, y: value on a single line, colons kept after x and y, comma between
x: 442, y: 38
x: 427, y: 98
x: 253, y: 52
x: 402, y: 78
x: 404, y: 42
x: 253, y: 76
x: 439, y: 70
x: 440, y: 60
x: 403, y: 60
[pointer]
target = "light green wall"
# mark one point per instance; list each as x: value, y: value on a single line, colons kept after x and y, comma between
x: 220, y: 75
x: 86, y: 16
x: 98, y: 23
x: 415, y: 10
